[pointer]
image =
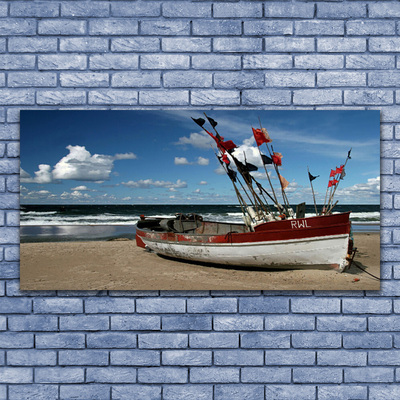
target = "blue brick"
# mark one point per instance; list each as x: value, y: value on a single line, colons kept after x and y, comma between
x: 32, y: 323
x: 215, y: 97
x: 11, y: 253
x: 17, y: 26
x: 111, y: 340
x: 186, y: 357
x: 369, y: 62
x: 237, y: 45
x: 83, y: 79
x: 384, y: 357
x: 62, y: 61
x: 317, y: 96
x: 60, y: 375
x: 241, y: 323
x: 181, y: 9
x: 382, y: 10
x: 92, y: 391
x: 388, y: 44
x: 340, y: 45
x: 319, y: 61
x: 15, y: 306
x: 344, y: 11
x: 382, y: 392
x: 126, y: 97
x: 153, y: 97
x: 217, y: 27
x: 239, y: 80
x: 111, y: 375
x: 193, y: 45
x: 261, y: 28
x: 389, y: 323
x: 181, y: 79
x: 239, y: 10
x: 264, y: 375
x: 138, y: 44
x: 316, y: 305
x: 263, y: 305
x: 83, y: 357
x: 136, y: 79
x: 113, y: 27
x: 384, y: 78
x: 134, y: 9
x: 179, y: 392
x: 3, y: 9
x: 317, y: 375
x: 114, y: 61
x: 289, y: 79
x: 16, y: 340
x: 342, y: 78
x: 317, y: 27
x: 319, y: 340
x: 42, y: 9
x: 35, y: 79
x: 84, y: 323
x: 214, y: 62
x: 135, y: 322
x: 341, y: 323
x: 266, y: 96
x: 164, y: 61
x: 214, y: 375
x: 265, y: 340
x: 365, y: 27
x: 288, y: 392
x: 107, y: 305
x: 344, y: 392
x: 287, y: 45
x: 10, y: 131
x: 238, y: 357
x: 368, y: 97
x: 3, y: 323
x: 8, y: 166
x: 187, y: 323
x: 16, y: 375
x: 239, y: 392
x: 163, y: 340
x: 138, y: 392
x: 57, y: 97
x: 142, y: 358
x: 366, y: 306
x: 288, y: 10
x: 342, y: 358
x: 369, y: 374
x: 10, y: 270
x: 31, y: 357
x: 267, y: 61
x: 57, y: 306
x: 214, y: 340
x: 87, y: 45
x: 289, y: 323
x: 32, y: 391
x: 163, y: 306
x: 79, y: 9
x: 212, y: 305
x: 367, y: 341
x: 32, y: 45
x: 162, y: 375
x: 17, y: 61
x: 290, y: 357
x: 61, y: 27
x: 165, y: 28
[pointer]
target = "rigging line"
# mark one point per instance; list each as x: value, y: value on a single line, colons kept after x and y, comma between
x: 369, y: 273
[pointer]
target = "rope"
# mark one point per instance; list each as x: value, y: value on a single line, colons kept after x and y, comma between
x: 362, y: 269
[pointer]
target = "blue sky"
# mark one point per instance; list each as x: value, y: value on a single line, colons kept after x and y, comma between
x: 142, y: 157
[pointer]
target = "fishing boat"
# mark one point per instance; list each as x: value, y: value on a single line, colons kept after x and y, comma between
x: 272, y: 234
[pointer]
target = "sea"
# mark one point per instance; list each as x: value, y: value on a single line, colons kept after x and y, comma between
x: 52, y: 223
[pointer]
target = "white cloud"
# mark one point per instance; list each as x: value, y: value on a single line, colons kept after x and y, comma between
x: 181, y: 161
x: 199, y: 140
x: 149, y: 183
x: 41, y: 176
x: 125, y: 156
x: 126, y: 198
x: 80, y: 188
x: 203, y: 161
x: 367, y: 190
x: 197, y: 191
x: 203, y: 183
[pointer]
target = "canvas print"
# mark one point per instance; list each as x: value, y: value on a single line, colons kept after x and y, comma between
x: 200, y: 200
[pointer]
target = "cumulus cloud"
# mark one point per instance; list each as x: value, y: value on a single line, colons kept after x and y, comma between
x: 199, y: 140
x: 125, y: 156
x: 369, y: 189
x: 203, y: 161
x: 150, y: 183
x: 203, y: 183
x: 181, y: 161
x: 185, y: 161
x: 80, y: 188
x: 42, y: 176
x: 126, y: 198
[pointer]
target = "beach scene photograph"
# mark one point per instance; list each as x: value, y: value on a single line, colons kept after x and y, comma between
x: 200, y: 200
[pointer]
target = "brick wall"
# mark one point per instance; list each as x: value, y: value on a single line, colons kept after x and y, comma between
x: 199, y: 345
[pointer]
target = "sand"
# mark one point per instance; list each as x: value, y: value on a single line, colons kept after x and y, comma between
x: 121, y: 265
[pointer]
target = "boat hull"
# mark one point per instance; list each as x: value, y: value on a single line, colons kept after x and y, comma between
x: 308, y: 241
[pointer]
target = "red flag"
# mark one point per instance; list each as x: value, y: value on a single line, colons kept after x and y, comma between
x: 225, y: 159
x: 339, y: 170
x: 261, y: 136
x: 333, y: 182
x: 228, y: 145
x: 333, y: 173
x: 277, y: 159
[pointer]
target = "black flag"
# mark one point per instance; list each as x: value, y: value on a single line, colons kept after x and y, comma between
x: 266, y: 159
x: 232, y: 174
x: 312, y: 177
x: 348, y: 155
x: 212, y: 122
x: 199, y: 121
x: 251, y: 167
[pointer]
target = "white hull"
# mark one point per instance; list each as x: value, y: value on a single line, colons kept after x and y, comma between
x: 323, y: 250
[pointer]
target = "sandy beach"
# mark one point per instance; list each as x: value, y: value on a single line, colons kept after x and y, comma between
x: 121, y: 265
